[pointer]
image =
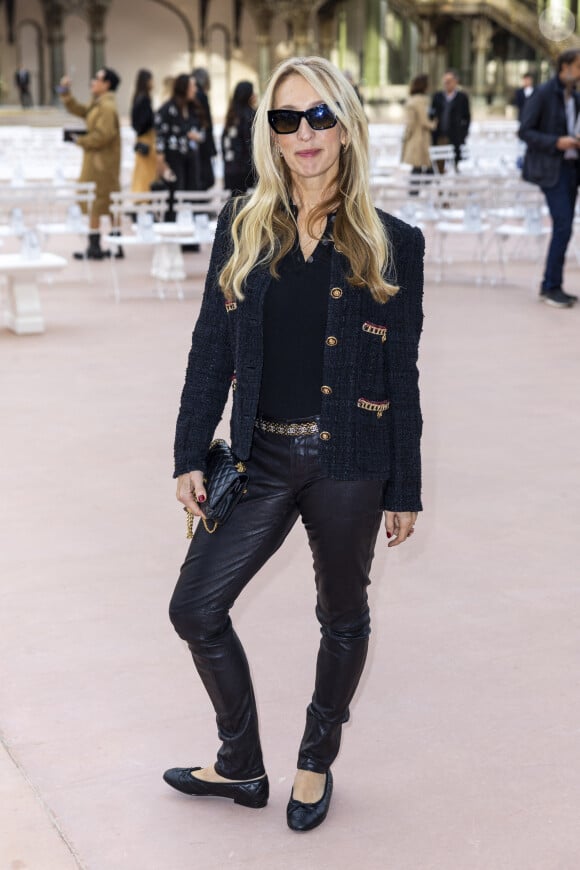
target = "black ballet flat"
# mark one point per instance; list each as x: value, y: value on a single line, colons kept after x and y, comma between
x: 304, y: 817
x: 253, y: 793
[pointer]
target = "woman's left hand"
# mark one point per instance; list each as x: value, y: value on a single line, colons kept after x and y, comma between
x: 400, y: 525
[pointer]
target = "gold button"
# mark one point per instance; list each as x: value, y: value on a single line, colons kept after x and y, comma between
x: 336, y: 292
x: 325, y: 436
x: 326, y: 391
x: 331, y: 341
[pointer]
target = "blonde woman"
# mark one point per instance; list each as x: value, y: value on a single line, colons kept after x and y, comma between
x: 312, y: 306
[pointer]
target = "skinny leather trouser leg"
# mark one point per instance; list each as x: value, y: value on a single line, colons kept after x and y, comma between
x: 342, y: 519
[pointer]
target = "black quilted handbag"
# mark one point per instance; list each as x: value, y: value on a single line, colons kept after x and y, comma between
x: 225, y: 483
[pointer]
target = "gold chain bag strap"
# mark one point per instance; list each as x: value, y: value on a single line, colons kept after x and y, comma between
x: 225, y: 483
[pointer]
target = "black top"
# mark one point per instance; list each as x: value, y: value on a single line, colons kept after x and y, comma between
x: 294, y: 330
x: 142, y: 118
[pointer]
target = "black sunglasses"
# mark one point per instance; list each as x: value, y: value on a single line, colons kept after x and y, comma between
x: 288, y: 120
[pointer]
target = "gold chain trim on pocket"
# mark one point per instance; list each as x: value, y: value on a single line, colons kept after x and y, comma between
x: 378, y: 408
x: 374, y: 329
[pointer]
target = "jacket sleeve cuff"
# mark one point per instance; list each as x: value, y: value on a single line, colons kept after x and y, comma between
x: 185, y: 464
x: 399, y: 496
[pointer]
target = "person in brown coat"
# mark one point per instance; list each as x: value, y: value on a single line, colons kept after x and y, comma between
x: 101, y: 145
x: 417, y: 135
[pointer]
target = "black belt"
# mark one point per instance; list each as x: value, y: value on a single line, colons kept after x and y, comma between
x: 279, y: 427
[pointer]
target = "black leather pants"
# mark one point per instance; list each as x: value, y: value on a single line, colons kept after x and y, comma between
x: 342, y: 519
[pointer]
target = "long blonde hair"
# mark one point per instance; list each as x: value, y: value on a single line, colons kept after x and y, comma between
x: 264, y: 227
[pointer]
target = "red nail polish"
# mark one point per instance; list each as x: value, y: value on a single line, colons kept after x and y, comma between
x: 201, y: 498
x: 389, y: 535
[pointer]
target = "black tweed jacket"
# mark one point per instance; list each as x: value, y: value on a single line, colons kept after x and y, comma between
x: 370, y: 419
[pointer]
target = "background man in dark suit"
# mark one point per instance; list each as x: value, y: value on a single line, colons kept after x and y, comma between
x: 524, y: 93
x: 550, y: 128
x: 451, y: 109
x: 22, y: 80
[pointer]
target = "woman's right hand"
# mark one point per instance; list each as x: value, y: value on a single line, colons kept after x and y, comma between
x: 65, y: 83
x: 191, y: 492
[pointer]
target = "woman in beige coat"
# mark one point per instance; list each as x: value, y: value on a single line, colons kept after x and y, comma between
x: 417, y: 135
x: 101, y: 145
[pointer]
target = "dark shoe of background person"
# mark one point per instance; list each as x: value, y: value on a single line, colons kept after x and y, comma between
x: 557, y: 299
x: 94, y: 250
x: 254, y: 793
x: 304, y: 817
x: 119, y: 252
x: 92, y: 254
x: 573, y: 299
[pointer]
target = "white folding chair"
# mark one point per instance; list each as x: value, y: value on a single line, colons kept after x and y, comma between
x: 126, y: 203
x: 442, y: 156
x: 463, y: 214
x: 520, y: 226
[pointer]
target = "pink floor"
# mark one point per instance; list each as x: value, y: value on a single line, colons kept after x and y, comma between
x: 463, y: 749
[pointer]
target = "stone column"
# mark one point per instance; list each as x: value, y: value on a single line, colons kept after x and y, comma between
x: 327, y: 34
x: 342, y: 36
x: 481, y: 36
x: 375, y: 51
x: 426, y: 50
x: 53, y: 19
x: 300, y: 20
x: 263, y: 17
x: 97, y: 12
x: 500, y: 52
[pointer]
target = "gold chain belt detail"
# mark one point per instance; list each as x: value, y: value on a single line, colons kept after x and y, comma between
x: 310, y: 427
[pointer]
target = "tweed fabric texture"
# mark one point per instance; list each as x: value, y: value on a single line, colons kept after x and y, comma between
x: 370, y: 354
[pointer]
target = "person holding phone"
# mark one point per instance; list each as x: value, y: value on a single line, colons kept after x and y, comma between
x: 549, y: 127
x: 101, y: 146
x: 313, y: 310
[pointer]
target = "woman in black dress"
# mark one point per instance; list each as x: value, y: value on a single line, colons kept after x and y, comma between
x: 179, y: 125
x: 237, y: 140
x: 207, y: 149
